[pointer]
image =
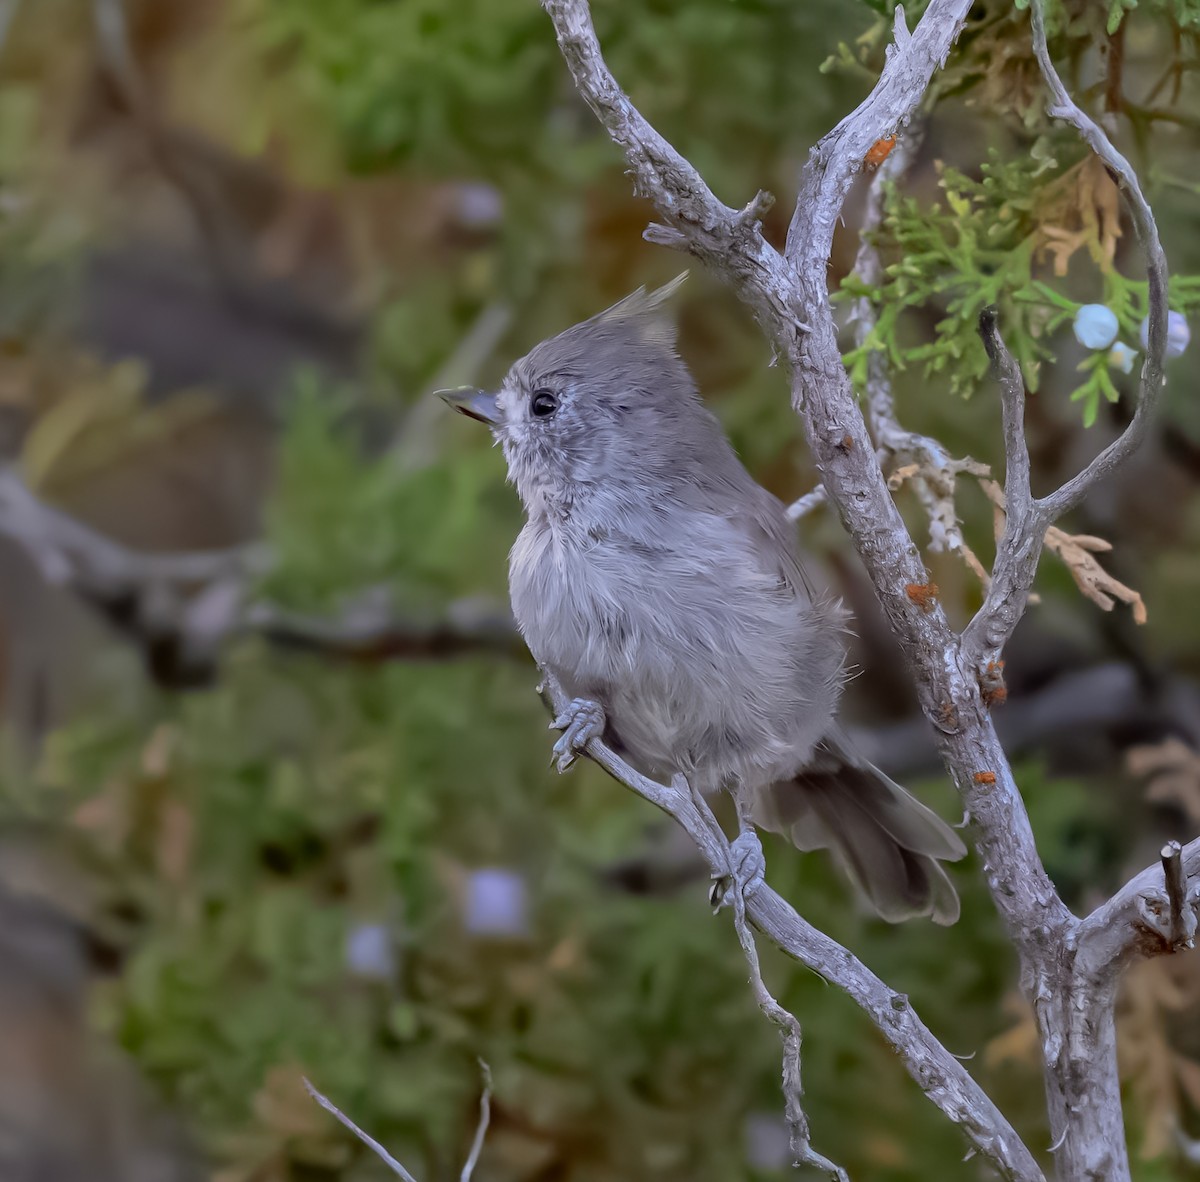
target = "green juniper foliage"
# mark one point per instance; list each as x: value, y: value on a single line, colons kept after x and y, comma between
x: 1004, y: 240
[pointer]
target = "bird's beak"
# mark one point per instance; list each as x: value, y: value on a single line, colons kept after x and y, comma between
x: 475, y: 404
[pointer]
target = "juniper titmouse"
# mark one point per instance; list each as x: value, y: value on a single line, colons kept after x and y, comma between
x: 661, y: 585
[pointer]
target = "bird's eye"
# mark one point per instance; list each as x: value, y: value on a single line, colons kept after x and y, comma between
x: 543, y: 404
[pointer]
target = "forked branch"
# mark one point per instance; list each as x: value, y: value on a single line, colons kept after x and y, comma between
x: 397, y: 1168
x: 938, y: 1073
x: 1016, y: 561
x: 1151, y: 381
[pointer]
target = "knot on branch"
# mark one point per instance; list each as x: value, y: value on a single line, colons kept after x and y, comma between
x: 730, y: 240
x: 752, y: 213
x: 719, y: 230
x: 1171, y: 912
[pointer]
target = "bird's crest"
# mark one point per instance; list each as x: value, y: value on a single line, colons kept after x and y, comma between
x: 645, y: 312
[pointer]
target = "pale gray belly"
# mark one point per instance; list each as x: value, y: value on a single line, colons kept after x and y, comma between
x: 695, y: 676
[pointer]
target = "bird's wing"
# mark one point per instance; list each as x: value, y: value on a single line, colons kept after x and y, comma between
x: 773, y: 541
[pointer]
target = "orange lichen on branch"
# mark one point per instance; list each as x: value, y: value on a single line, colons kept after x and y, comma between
x: 924, y: 595
x: 991, y: 684
x: 985, y: 777
x: 878, y: 152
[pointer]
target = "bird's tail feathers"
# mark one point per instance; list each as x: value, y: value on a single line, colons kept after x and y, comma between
x: 890, y: 844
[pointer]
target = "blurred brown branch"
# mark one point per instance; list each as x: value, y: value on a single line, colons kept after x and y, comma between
x: 180, y: 609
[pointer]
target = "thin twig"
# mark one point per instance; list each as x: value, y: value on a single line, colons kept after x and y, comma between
x: 932, y: 473
x: 789, y: 1031
x: 733, y: 888
x: 1019, y: 548
x: 1018, y: 498
x: 807, y: 503
x: 1155, y: 912
x: 485, y: 1115
x: 1172, y: 863
x: 891, y: 439
x: 366, y: 1138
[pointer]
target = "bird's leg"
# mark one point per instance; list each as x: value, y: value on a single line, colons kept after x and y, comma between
x: 582, y: 721
x: 747, y: 862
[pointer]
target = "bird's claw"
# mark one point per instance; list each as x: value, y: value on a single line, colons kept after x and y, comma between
x: 747, y: 870
x: 582, y: 721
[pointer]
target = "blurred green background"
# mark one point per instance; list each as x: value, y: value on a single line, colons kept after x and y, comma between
x: 308, y: 828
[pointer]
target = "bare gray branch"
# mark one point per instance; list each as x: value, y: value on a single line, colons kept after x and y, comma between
x: 936, y: 479
x: 697, y: 221
x: 789, y: 1028
x: 807, y: 503
x: 369, y: 1141
x: 938, y: 1073
x: 1017, y: 495
x: 1181, y: 933
x: 890, y: 438
x: 485, y: 1114
x: 485, y: 1118
x: 1020, y: 547
x: 1154, y: 913
x: 833, y: 163
x: 787, y: 295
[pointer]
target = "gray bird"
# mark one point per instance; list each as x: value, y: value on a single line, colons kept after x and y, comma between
x: 661, y: 585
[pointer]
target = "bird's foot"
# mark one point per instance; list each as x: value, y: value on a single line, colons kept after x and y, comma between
x: 747, y: 870
x: 582, y: 721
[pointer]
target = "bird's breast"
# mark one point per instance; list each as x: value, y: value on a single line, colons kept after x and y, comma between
x: 576, y: 603
x: 702, y: 664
